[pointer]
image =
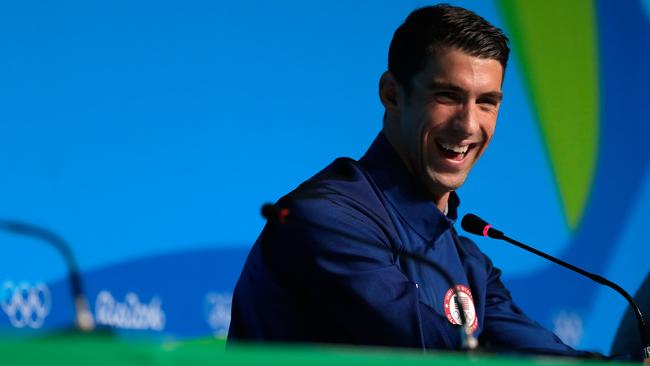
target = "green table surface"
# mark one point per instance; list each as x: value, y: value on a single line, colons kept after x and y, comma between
x: 99, y: 349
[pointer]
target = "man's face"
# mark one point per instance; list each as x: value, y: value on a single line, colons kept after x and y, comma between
x: 448, y: 118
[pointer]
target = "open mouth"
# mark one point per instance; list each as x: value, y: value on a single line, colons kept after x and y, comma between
x: 453, y: 151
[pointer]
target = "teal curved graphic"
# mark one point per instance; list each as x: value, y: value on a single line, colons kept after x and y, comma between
x: 621, y: 164
x: 556, y: 43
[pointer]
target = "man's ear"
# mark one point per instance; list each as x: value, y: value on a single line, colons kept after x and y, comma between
x: 389, y: 90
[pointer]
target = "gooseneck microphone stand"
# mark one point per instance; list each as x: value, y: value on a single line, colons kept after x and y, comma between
x: 476, y: 225
x: 83, y: 317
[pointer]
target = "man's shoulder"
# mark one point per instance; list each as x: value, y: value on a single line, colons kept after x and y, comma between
x: 344, y: 176
x: 340, y: 204
x: 343, y: 189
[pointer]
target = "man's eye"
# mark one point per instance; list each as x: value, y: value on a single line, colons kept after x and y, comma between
x: 488, y: 101
x: 447, y: 97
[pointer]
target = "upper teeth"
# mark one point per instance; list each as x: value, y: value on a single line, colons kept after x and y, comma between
x: 455, y: 148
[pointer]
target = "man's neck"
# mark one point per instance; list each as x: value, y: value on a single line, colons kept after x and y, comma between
x: 442, y: 202
x: 440, y: 199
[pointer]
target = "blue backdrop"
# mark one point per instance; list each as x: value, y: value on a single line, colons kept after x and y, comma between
x: 148, y: 134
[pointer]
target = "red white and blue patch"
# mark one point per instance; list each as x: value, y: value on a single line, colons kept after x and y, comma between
x: 466, y: 302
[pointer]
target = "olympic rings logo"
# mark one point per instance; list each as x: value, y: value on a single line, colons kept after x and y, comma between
x: 24, y: 304
x: 217, y: 308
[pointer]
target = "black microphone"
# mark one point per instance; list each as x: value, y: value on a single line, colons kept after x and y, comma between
x: 83, y: 316
x: 475, y: 225
x: 275, y: 213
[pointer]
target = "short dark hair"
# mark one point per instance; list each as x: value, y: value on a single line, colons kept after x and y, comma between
x: 429, y: 29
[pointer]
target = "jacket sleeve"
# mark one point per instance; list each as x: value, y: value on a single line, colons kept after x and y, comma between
x: 343, y: 264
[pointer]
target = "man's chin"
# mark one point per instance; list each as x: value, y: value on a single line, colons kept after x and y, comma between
x: 440, y: 184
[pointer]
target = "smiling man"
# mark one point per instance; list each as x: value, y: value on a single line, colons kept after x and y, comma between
x: 340, y: 268
x: 441, y: 119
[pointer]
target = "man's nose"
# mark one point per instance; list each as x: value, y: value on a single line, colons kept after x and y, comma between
x: 466, y: 121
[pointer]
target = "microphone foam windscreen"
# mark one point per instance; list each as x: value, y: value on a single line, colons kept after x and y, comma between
x: 473, y: 224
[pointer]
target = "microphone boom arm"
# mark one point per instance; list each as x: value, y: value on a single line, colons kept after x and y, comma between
x: 600, y: 279
x: 83, y: 316
x: 475, y: 225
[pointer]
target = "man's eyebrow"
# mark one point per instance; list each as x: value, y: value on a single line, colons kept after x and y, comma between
x: 498, y: 96
x: 453, y: 87
x: 447, y: 86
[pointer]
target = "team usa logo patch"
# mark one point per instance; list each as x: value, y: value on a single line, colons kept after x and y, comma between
x: 467, y: 304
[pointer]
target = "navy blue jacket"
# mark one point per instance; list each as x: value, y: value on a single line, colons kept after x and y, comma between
x: 345, y: 279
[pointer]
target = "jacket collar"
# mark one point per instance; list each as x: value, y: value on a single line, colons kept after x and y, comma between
x: 405, y: 193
